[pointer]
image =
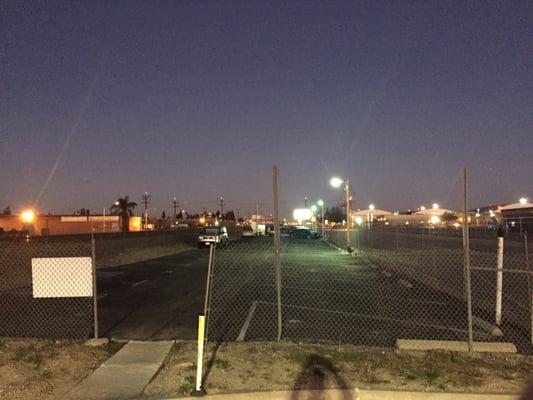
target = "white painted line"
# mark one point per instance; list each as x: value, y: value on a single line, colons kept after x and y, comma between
x: 405, y: 284
x: 247, y: 321
x: 139, y: 283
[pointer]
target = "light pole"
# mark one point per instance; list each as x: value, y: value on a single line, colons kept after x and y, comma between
x: 321, y: 205
x: 336, y: 183
x: 314, y: 209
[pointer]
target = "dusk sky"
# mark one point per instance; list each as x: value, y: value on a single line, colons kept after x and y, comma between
x: 199, y: 99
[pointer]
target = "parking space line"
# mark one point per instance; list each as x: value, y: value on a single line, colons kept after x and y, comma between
x: 247, y: 321
x: 139, y: 283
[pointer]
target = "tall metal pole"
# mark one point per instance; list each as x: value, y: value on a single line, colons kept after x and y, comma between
x: 95, y: 293
x: 208, y: 288
x: 277, y: 245
x: 322, y: 217
x: 530, y: 284
x: 466, y: 244
x: 348, y: 224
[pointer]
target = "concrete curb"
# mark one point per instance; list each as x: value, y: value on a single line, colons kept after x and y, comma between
x: 452, y: 345
x: 358, y: 394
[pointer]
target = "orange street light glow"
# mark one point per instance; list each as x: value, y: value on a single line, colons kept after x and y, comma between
x: 27, y: 216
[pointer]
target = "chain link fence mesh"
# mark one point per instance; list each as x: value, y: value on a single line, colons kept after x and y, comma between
x: 397, y: 284
x: 24, y: 314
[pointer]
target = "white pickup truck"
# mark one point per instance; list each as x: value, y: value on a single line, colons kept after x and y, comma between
x: 212, y: 235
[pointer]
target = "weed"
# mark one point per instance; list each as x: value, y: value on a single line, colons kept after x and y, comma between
x: 219, y: 362
x: 431, y: 374
x: 188, y: 386
x: 299, y: 358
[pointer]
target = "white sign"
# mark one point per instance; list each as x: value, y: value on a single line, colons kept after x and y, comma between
x: 62, y: 277
x: 302, y: 214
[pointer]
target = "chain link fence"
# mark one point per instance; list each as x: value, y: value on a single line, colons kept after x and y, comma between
x: 46, y: 289
x: 397, y: 284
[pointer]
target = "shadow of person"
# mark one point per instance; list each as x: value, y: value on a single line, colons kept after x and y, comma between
x: 312, y: 382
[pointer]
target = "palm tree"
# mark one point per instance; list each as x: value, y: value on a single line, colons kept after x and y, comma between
x: 123, y: 207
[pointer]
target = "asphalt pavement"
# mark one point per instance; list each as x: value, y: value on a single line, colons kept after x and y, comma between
x: 326, y: 295
x: 157, y: 299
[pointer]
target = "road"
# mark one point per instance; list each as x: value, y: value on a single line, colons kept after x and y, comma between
x: 326, y: 295
x: 156, y: 299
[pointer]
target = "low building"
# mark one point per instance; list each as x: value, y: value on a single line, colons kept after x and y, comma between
x: 67, y: 224
x: 518, y: 217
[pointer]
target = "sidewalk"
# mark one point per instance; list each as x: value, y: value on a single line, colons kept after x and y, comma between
x: 125, y: 374
x: 355, y: 394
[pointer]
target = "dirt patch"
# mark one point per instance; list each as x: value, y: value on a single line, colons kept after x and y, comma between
x: 41, y: 369
x: 133, y: 255
x: 285, y: 366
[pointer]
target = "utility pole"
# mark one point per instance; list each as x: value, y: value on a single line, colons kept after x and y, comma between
x: 348, y: 216
x: 277, y: 246
x: 221, y: 207
x: 305, y: 202
x: 175, y: 206
x: 146, y: 200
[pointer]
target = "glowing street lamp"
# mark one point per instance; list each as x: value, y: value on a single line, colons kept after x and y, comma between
x: 320, y: 203
x: 523, y: 201
x: 27, y: 216
x: 336, y: 183
x: 435, y: 206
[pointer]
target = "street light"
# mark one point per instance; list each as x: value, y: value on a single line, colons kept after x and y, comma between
x: 336, y: 183
x: 27, y: 216
x: 523, y: 201
x: 314, y: 209
x: 320, y: 203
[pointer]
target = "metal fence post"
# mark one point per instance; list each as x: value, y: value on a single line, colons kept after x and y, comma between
x: 466, y: 249
x: 209, y: 288
x: 530, y: 284
x: 95, y: 293
x: 277, y: 245
x: 499, y: 280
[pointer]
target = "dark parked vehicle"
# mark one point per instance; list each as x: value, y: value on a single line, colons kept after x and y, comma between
x: 304, y: 233
x: 301, y: 233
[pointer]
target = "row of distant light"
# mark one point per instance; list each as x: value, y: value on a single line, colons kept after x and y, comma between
x: 28, y: 216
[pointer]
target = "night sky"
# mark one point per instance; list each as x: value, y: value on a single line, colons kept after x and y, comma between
x: 199, y: 99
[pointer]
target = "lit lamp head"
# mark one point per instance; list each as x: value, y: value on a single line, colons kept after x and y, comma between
x: 27, y: 216
x: 435, y: 206
x: 336, y: 182
x: 314, y: 208
x: 320, y: 203
x: 523, y: 200
x: 371, y: 207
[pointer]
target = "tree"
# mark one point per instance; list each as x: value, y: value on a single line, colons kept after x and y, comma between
x: 163, y: 215
x: 124, y: 208
x: 7, y: 211
x: 335, y: 214
x: 448, y: 217
x: 230, y: 216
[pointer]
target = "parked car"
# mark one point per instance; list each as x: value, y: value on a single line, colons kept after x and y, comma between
x: 285, y: 231
x: 248, y: 232
x: 212, y: 235
x: 301, y: 233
